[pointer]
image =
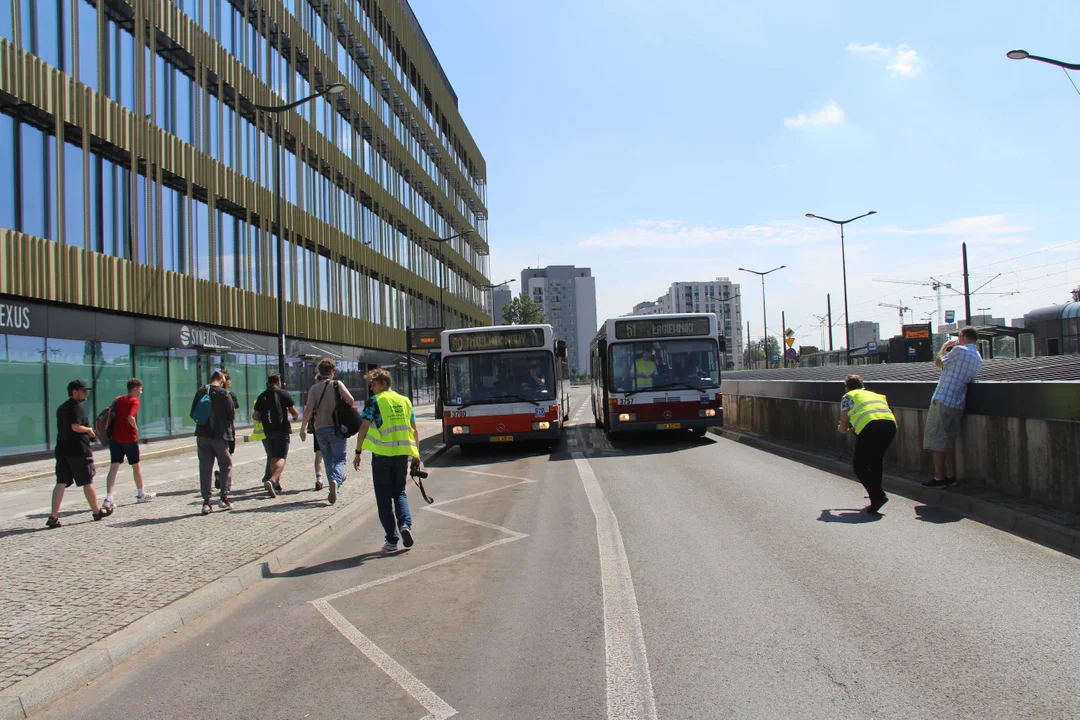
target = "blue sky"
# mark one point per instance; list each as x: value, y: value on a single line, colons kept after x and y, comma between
x: 662, y: 142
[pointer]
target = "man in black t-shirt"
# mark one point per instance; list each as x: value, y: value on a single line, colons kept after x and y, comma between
x: 74, y: 461
x: 270, y: 409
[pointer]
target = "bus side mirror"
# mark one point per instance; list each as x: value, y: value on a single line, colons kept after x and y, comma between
x: 560, y: 349
x: 723, y: 343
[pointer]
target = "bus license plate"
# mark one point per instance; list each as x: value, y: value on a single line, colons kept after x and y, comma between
x: 669, y: 426
x: 502, y: 438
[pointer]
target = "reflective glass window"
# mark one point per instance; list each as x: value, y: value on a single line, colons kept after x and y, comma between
x: 7, y: 166
x: 73, y: 194
x: 152, y: 367
x: 22, y: 374
x: 112, y: 370
x: 35, y: 170
x: 88, y: 44
x: 183, y: 382
x: 201, y: 222
x: 69, y: 360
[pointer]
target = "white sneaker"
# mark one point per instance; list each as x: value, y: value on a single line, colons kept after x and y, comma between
x: 224, y: 504
x: 145, y: 497
x: 108, y: 503
x: 406, y: 537
x: 389, y: 547
x: 207, y: 508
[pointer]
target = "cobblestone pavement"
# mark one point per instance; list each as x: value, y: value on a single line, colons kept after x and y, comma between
x: 66, y: 588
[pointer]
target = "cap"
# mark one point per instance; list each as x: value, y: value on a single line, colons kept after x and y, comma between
x: 77, y: 385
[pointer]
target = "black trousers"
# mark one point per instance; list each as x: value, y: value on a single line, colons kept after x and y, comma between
x: 870, y: 447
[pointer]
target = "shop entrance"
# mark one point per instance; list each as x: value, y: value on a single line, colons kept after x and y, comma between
x: 206, y: 364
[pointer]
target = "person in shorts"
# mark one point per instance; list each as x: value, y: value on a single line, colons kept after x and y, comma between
x: 272, y: 409
x: 960, y: 362
x: 74, y: 461
x: 319, y: 485
x: 125, y: 443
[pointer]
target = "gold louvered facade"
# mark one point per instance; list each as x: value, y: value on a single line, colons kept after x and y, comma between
x: 400, y: 274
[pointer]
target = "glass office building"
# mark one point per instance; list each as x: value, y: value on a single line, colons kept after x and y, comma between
x: 138, y: 231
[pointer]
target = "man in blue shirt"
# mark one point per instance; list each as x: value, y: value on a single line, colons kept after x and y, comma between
x: 960, y: 362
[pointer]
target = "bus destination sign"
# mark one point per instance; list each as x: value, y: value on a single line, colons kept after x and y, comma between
x: 497, y: 340
x: 666, y: 327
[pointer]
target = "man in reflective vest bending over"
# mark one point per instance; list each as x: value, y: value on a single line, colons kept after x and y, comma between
x: 388, y: 431
x: 875, y: 427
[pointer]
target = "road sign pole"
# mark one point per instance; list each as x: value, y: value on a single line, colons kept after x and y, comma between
x: 783, y: 334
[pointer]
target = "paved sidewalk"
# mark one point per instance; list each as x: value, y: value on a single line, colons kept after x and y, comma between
x: 66, y: 588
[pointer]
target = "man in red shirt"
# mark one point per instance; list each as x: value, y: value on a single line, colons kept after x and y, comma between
x: 125, y: 442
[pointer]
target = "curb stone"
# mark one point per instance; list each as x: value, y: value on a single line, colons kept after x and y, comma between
x: 27, y: 697
x: 1030, y: 527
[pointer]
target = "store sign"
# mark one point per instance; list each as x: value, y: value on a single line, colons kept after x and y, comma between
x: 197, y: 337
x: 14, y: 317
x: 667, y: 327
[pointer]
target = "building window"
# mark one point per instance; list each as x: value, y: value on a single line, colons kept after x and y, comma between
x: 24, y: 425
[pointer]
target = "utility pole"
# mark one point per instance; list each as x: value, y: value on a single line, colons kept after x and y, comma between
x: 783, y: 337
x: 967, y: 291
x: 748, y: 343
x: 828, y: 303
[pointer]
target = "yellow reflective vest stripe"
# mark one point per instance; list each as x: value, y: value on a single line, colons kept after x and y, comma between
x: 869, y: 406
x: 396, y: 436
x: 643, y: 372
x: 257, y: 432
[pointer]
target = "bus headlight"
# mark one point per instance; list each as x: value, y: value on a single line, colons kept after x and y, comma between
x: 627, y: 417
x: 460, y: 430
x: 709, y: 412
x: 544, y: 425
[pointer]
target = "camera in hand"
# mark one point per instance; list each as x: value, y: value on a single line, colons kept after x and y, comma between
x: 415, y: 471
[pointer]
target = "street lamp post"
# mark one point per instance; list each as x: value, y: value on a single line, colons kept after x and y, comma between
x: 1025, y: 55
x: 275, y: 110
x: 442, y: 279
x: 492, y: 289
x: 764, y: 317
x: 843, y: 265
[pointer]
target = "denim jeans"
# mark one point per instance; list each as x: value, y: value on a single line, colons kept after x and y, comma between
x: 333, y: 448
x: 390, y: 475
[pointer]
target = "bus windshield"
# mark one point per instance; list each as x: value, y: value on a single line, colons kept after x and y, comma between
x: 486, y: 378
x: 664, y: 364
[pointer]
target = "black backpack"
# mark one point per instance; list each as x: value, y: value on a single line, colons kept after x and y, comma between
x: 346, y: 417
x: 105, y: 423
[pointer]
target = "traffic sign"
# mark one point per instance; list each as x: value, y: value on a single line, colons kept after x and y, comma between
x: 950, y: 316
x: 789, y: 333
x: 775, y: 359
x: 791, y: 354
x: 789, y: 341
x: 871, y: 347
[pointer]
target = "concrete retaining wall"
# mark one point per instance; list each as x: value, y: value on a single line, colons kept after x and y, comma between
x: 1030, y: 458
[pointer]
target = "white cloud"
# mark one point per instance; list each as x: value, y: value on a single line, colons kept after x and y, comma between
x: 901, y: 60
x: 831, y: 114
x: 675, y: 234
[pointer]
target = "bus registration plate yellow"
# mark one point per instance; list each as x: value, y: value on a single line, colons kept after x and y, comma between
x: 502, y: 438
x: 669, y: 426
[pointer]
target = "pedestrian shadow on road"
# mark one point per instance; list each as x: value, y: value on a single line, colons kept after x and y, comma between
x: 848, y: 516
x: 21, y: 531
x: 282, y: 507
x: 937, y: 515
x: 328, y: 566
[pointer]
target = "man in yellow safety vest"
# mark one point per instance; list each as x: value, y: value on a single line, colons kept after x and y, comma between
x: 388, y: 431
x: 875, y: 427
x: 644, y: 370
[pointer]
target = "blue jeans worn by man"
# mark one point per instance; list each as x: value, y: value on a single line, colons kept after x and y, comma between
x: 333, y: 447
x: 389, y: 475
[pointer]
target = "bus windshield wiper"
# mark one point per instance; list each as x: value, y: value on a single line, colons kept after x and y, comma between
x: 514, y: 397
x: 688, y: 386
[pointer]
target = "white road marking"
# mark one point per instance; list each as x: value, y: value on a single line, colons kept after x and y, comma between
x: 481, y: 472
x: 482, y: 492
x: 438, y: 709
x: 629, y: 683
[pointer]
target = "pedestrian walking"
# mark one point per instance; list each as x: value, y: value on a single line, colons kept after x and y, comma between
x: 322, y: 401
x: 227, y: 384
x: 960, y: 362
x: 213, y: 412
x: 319, y: 485
x: 74, y: 461
x: 388, y: 431
x: 869, y: 415
x: 125, y: 443
x: 272, y: 410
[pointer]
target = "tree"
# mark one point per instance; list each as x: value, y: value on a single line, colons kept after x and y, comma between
x: 522, y: 311
x: 753, y: 353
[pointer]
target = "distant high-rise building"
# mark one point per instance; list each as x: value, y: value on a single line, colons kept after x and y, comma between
x: 499, y: 298
x: 647, y: 307
x: 862, y: 332
x: 720, y: 297
x: 567, y: 295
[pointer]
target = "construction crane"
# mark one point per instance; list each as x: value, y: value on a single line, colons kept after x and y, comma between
x: 902, y: 308
x: 933, y: 283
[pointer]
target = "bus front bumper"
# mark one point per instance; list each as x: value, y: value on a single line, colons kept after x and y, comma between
x: 549, y: 435
x: 663, y: 425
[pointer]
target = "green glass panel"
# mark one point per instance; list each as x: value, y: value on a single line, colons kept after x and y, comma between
x: 239, y: 369
x: 183, y: 383
x: 152, y: 367
x: 68, y: 360
x: 22, y: 375
x: 111, y: 373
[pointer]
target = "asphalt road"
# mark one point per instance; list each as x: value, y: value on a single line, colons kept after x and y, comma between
x: 671, y: 578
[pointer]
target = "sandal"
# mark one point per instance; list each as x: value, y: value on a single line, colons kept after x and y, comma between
x: 52, y: 522
x: 102, y: 514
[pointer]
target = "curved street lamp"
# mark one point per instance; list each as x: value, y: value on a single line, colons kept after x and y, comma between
x: 764, y: 316
x: 1025, y: 55
x: 492, y: 289
x: 442, y: 278
x: 843, y: 265
x: 275, y: 110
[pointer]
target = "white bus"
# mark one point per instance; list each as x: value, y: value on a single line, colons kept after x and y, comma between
x: 657, y: 372
x: 503, y: 384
